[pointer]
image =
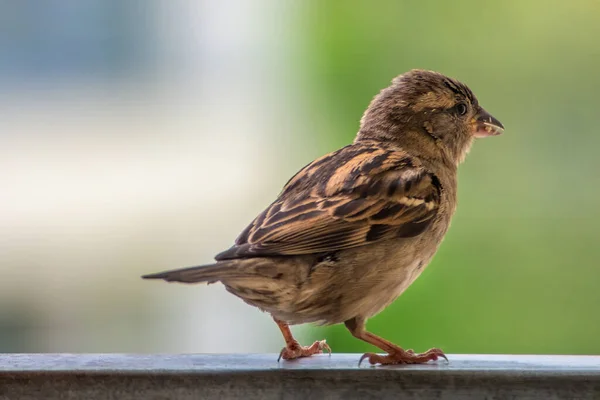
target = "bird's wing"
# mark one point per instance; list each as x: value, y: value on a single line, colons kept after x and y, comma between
x: 349, y: 198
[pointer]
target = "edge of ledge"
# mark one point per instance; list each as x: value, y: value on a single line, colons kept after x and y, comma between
x: 197, y: 363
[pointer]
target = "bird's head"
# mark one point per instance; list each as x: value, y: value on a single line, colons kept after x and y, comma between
x: 428, y: 114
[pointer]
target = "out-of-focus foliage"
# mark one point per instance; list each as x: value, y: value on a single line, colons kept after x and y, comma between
x: 518, y: 269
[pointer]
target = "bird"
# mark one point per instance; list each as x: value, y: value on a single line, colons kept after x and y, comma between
x: 354, y: 228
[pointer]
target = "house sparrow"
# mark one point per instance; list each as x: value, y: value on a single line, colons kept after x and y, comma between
x: 354, y: 228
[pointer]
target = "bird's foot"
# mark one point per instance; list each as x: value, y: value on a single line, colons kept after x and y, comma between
x: 294, y: 350
x: 403, y: 357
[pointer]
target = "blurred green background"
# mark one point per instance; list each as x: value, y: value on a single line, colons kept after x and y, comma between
x: 142, y: 136
x: 518, y: 269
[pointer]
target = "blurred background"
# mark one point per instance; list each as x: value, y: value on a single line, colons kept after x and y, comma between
x: 138, y: 136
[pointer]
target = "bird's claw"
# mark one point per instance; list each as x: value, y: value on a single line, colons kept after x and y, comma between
x: 294, y: 350
x: 403, y: 357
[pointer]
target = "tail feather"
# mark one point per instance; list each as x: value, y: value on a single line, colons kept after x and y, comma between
x: 204, y: 273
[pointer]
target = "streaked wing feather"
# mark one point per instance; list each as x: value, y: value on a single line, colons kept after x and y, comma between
x: 349, y: 198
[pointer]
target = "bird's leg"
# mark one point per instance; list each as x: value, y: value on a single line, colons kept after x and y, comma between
x: 396, y: 355
x: 293, y: 349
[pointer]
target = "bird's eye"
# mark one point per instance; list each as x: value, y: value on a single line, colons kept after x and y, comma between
x: 461, y: 108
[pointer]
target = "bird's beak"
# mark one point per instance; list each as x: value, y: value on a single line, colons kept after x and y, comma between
x: 485, y: 125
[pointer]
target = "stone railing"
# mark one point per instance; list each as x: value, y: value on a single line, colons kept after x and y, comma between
x: 245, y: 376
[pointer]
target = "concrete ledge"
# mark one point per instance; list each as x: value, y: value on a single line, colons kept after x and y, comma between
x: 243, y: 376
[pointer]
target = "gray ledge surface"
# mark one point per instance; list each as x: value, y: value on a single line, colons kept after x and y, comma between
x: 199, y: 376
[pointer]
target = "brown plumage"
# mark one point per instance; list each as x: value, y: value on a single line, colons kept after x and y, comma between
x: 354, y: 228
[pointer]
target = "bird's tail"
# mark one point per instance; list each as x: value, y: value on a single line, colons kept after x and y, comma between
x: 204, y: 273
